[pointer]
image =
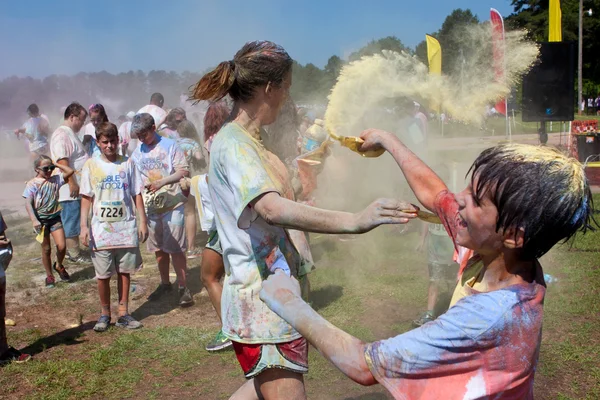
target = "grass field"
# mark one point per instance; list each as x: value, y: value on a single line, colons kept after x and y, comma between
x: 372, y: 287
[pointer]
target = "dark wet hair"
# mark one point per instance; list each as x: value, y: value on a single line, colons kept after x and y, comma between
x: 535, y: 188
x: 74, y: 109
x: 38, y: 161
x: 216, y: 115
x: 157, y: 99
x: 33, y: 109
x: 107, y: 129
x: 256, y: 64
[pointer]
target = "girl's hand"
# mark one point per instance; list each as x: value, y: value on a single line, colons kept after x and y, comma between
x: 37, y: 226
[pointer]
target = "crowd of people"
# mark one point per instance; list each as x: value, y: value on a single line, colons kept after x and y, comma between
x: 255, y: 203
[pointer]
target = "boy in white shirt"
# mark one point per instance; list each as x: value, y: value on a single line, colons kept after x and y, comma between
x: 112, y: 185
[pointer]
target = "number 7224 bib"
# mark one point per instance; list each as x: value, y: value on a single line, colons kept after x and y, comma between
x: 111, y: 211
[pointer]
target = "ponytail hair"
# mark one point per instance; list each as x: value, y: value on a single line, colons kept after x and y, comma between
x: 256, y: 64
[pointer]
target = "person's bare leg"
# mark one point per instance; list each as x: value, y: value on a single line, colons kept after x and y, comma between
x: 104, y: 293
x: 275, y: 384
x: 163, y: 260
x: 123, y: 283
x: 73, y: 246
x: 190, y: 224
x: 248, y: 391
x: 212, y: 270
x: 432, y: 296
x: 180, y: 266
x: 47, y: 255
x: 60, y: 242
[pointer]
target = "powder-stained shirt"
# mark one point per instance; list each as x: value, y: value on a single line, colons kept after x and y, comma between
x: 240, y: 170
x: 157, y: 113
x: 88, y: 134
x: 156, y: 162
x: 44, y: 193
x: 65, y: 144
x: 485, y: 346
x: 37, y: 140
x: 169, y: 133
x: 189, y: 147
x: 112, y: 186
x: 125, y: 136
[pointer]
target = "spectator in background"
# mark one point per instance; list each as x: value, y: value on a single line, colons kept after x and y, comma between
x: 155, y: 109
x: 97, y: 117
x: 172, y: 121
x: 7, y: 354
x: 188, y: 142
x: 35, y: 130
x: 597, y: 104
x: 128, y: 143
x: 66, y: 149
x: 590, y: 106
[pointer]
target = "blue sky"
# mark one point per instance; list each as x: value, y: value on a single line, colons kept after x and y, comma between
x: 40, y: 38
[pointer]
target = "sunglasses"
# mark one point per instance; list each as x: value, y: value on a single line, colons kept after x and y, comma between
x: 48, y: 168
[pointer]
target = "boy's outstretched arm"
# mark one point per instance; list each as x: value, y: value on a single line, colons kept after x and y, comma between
x: 422, y: 180
x: 282, y: 294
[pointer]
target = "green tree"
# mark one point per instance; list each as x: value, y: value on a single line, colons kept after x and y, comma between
x: 450, y: 37
x: 376, y: 46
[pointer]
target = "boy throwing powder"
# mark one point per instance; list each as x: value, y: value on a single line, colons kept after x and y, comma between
x: 521, y: 201
x: 112, y: 186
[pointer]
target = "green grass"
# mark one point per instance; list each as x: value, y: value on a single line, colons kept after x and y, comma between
x: 370, y: 287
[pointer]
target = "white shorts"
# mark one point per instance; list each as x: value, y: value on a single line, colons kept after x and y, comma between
x: 166, y: 232
x: 109, y: 262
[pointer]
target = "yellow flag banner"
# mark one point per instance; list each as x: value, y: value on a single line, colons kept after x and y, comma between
x: 434, y: 55
x: 555, y: 28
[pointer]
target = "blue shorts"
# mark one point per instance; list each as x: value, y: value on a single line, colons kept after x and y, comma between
x: 70, y: 216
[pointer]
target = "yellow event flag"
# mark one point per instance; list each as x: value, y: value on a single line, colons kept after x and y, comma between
x: 434, y: 56
x: 555, y: 28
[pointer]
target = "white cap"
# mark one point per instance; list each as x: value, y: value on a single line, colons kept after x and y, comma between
x: 130, y: 114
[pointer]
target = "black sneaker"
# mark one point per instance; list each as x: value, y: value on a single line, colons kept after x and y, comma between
x: 161, y: 290
x: 62, y: 272
x: 185, y: 297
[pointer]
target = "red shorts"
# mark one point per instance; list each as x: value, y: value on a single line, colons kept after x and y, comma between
x: 255, y: 358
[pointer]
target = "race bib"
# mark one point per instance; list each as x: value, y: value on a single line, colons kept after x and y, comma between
x: 156, y: 201
x: 111, y: 211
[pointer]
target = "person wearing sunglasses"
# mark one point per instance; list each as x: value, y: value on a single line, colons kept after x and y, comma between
x: 43, y: 207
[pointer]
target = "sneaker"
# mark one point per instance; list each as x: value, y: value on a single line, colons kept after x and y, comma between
x: 185, y: 297
x: 102, y: 324
x: 79, y: 259
x: 191, y: 254
x: 50, y: 281
x: 62, y: 272
x: 426, y: 317
x: 220, y: 342
x: 127, y: 321
x: 13, y: 355
x: 161, y: 290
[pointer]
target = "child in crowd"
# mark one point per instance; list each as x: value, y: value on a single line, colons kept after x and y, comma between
x: 162, y: 164
x: 521, y: 200
x: 111, y: 185
x: 41, y: 203
x: 7, y: 354
x: 440, y: 262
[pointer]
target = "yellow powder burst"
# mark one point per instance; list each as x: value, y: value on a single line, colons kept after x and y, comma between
x: 373, y: 80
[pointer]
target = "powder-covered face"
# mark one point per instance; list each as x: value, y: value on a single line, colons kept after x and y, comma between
x: 277, y: 98
x: 476, y: 227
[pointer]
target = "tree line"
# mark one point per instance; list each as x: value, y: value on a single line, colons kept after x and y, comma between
x: 311, y: 84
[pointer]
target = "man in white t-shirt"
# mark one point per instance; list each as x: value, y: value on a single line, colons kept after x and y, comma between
x: 155, y: 109
x: 66, y: 149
